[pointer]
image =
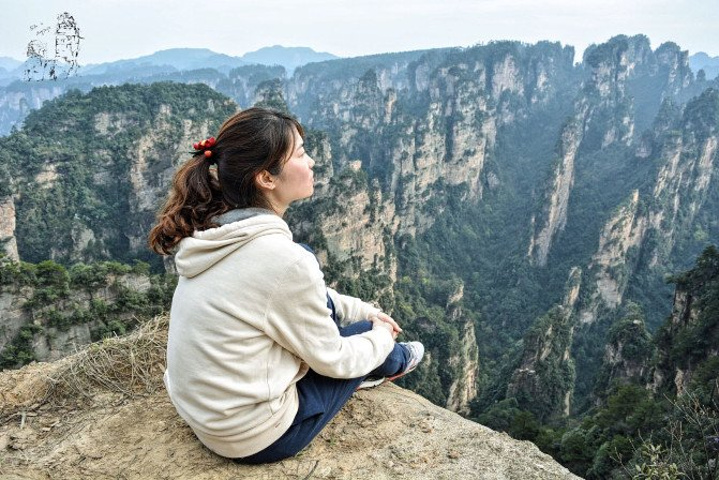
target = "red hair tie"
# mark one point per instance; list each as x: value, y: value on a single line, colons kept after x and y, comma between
x: 204, y: 146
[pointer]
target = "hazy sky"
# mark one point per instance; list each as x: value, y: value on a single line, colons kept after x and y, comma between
x: 116, y: 29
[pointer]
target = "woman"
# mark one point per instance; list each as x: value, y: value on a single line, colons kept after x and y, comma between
x: 261, y: 354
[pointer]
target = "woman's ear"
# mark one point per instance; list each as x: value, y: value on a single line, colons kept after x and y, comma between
x: 265, y: 180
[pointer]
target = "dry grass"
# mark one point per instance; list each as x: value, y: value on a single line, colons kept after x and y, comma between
x: 131, y: 365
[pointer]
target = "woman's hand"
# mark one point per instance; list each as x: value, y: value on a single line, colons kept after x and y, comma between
x: 385, y: 321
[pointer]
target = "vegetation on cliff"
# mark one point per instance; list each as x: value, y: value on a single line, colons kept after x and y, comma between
x: 83, y: 165
x: 107, y: 298
x: 640, y: 426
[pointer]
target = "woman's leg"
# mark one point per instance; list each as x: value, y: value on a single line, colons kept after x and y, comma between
x: 321, y: 398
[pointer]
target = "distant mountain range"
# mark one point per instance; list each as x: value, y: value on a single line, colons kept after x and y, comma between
x: 236, y: 77
x: 702, y: 61
x: 184, y: 59
x: 9, y: 64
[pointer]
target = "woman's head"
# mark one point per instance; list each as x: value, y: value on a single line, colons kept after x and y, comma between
x: 251, y: 151
x: 249, y: 143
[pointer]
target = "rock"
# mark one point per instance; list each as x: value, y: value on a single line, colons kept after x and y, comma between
x: 139, y: 438
x: 383, y: 433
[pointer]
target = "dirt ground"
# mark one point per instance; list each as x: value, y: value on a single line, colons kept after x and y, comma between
x: 121, y: 425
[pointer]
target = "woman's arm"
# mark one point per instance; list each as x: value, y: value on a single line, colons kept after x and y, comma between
x: 350, y: 309
x: 297, y: 318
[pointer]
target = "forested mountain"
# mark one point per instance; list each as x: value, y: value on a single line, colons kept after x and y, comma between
x: 518, y: 213
x: 656, y: 398
x: 19, y: 98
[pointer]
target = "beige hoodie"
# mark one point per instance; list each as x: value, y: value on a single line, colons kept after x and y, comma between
x: 249, y: 318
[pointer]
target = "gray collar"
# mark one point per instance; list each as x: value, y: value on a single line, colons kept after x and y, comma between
x: 241, y: 214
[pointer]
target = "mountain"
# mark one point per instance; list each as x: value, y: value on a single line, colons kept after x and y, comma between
x: 48, y: 310
x: 10, y: 70
x: 9, y: 64
x: 95, y: 166
x: 687, y: 345
x: 552, y: 197
x: 656, y: 391
x: 702, y: 61
x: 176, y: 59
x: 184, y: 59
x: 20, y: 98
x: 289, y: 57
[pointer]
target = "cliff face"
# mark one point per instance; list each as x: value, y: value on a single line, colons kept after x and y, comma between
x: 610, y: 265
x: 627, y: 84
x: 153, y: 159
x: 689, y: 167
x: 464, y: 386
x: 561, y: 186
x: 7, y: 228
x: 627, y: 355
x: 46, y: 315
x: 632, y: 150
x: 687, y: 164
x: 543, y: 381
x: 18, y: 100
x: 423, y: 125
x: 505, y: 166
x: 687, y: 342
x: 353, y: 232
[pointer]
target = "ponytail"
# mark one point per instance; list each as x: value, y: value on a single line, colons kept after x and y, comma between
x: 195, y: 199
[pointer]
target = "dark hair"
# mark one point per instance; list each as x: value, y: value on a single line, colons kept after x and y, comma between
x: 248, y: 143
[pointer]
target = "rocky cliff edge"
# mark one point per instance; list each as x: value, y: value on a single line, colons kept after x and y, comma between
x: 103, y: 413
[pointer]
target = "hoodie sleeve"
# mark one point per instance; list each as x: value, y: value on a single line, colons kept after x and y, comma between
x: 297, y: 318
x: 351, y: 309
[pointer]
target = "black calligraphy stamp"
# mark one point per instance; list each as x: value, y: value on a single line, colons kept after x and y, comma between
x: 54, y: 52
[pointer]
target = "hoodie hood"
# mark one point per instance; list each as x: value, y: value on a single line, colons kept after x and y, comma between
x: 203, y: 249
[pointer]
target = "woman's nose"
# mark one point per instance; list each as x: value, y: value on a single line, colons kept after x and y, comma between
x: 311, y: 162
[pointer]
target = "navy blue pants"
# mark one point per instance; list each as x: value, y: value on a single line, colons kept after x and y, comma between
x: 321, y: 398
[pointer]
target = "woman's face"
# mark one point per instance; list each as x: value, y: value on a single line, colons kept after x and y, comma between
x: 296, y: 180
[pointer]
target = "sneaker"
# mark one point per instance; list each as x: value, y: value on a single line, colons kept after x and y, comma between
x: 371, y: 382
x: 416, y: 352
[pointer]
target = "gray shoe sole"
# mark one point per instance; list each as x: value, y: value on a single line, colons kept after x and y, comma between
x: 371, y: 383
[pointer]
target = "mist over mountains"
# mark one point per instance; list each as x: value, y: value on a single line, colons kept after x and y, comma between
x: 176, y: 60
x: 178, y: 64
